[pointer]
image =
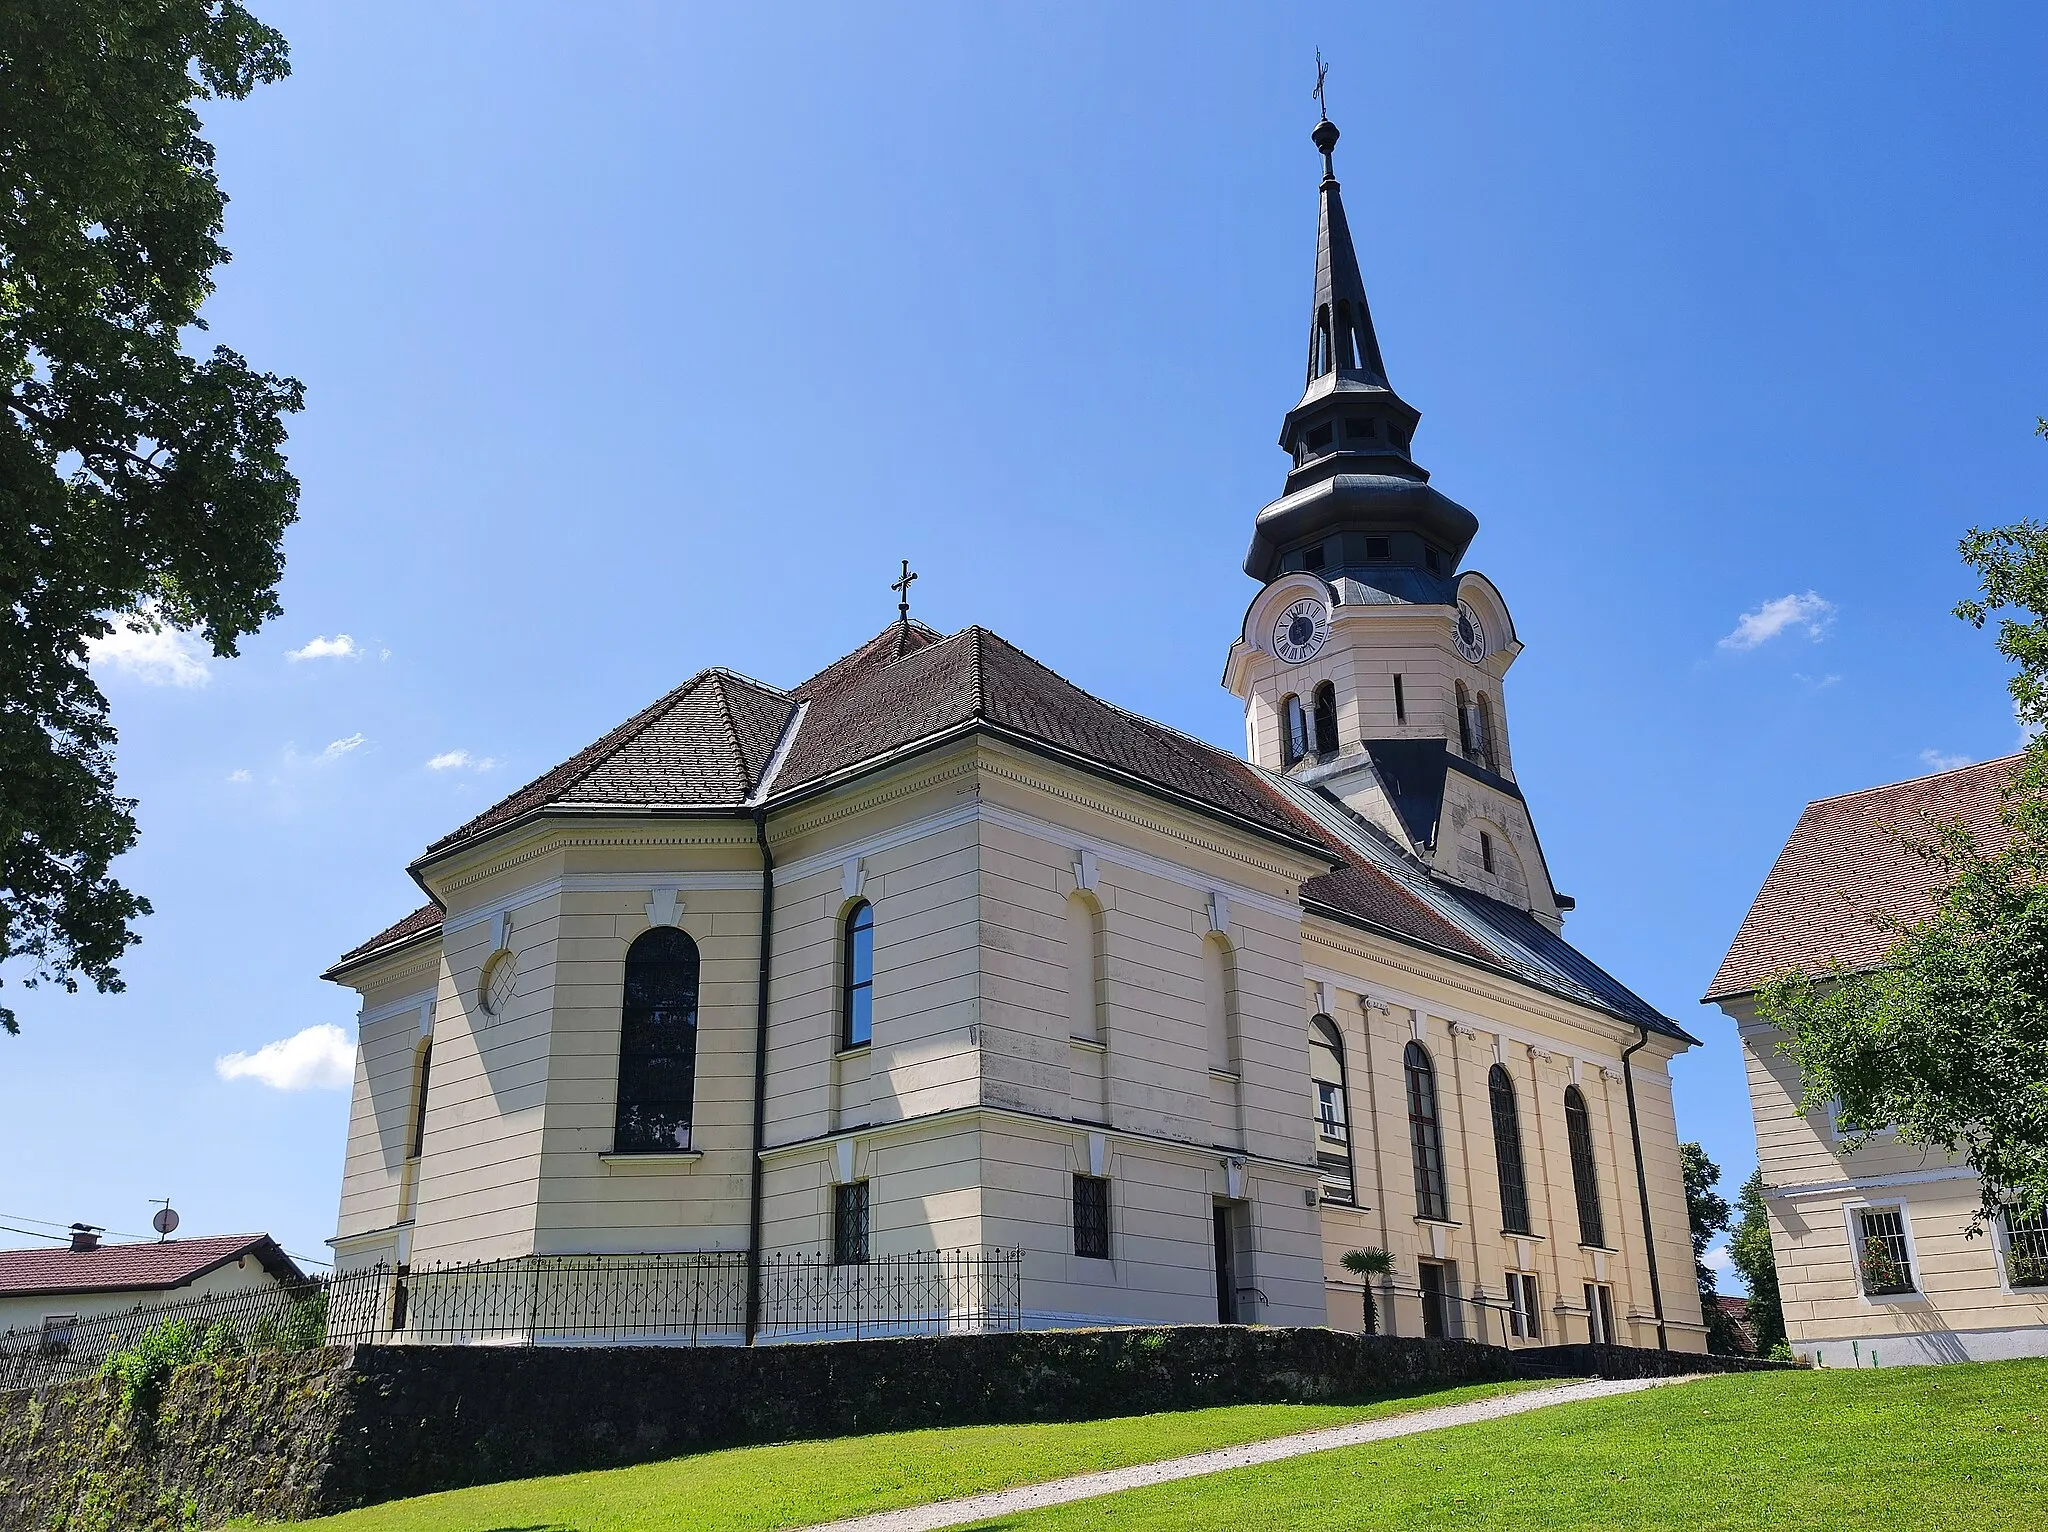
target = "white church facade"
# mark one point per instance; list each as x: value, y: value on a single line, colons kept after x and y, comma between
x: 936, y: 951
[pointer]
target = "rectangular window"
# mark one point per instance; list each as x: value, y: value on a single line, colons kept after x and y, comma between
x: 1881, y: 1254
x: 1379, y: 548
x: 1439, y: 1282
x: 1400, y: 702
x: 1361, y: 428
x: 2026, y: 1250
x: 1320, y: 438
x: 1313, y: 559
x: 57, y: 1331
x: 1330, y: 1111
x: 1525, y: 1319
x: 1486, y: 850
x: 850, y: 1224
x: 1337, y: 1183
x: 1091, y: 1217
x: 1600, y: 1313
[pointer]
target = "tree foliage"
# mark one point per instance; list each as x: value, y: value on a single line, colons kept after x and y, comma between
x: 1707, y: 1213
x: 141, y: 480
x: 1946, y: 1043
x: 1750, y: 1249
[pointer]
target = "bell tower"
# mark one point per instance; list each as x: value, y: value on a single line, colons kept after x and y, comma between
x: 1372, y: 669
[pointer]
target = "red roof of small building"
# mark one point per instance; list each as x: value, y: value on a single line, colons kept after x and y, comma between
x: 152, y: 1267
x: 1851, y: 872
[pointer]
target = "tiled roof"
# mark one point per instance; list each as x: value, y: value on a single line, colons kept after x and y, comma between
x: 148, y: 1267
x: 1850, y: 870
x: 422, y: 920
x: 1384, y: 886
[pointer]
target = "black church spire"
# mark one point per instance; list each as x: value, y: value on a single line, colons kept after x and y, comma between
x: 1356, y: 502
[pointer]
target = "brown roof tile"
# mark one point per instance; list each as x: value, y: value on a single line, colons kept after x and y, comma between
x: 147, y: 1267
x: 422, y: 920
x: 1849, y: 871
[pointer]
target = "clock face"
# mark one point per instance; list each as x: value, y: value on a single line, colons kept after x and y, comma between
x: 1299, y: 632
x: 1471, y: 636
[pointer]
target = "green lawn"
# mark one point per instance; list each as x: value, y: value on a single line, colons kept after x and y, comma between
x: 753, y: 1489
x: 1905, y: 1448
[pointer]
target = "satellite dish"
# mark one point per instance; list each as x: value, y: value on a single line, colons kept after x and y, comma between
x: 165, y: 1221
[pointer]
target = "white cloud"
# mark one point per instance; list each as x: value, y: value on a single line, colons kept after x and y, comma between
x: 336, y: 749
x: 319, y: 1058
x: 1719, y: 1260
x: 460, y: 760
x: 239, y: 774
x: 1817, y: 683
x: 1941, y: 760
x: 151, y: 653
x: 339, y: 647
x: 1785, y: 613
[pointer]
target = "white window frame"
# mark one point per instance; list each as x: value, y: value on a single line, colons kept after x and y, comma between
x: 1525, y: 1308
x: 1601, y: 1323
x: 1850, y: 1231
x: 2001, y: 1245
x: 1341, y: 1116
x: 1837, y: 1134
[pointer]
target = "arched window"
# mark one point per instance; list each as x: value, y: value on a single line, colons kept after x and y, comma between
x: 1425, y: 1134
x: 419, y: 1100
x: 1084, y: 967
x: 1321, y: 363
x: 1507, y: 1152
x: 1464, y: 721
x: 1333, y: 1125
x: 1326, y: 719
x: 1578, y: 1128
x: 1294, y: 723
x: 857, y: 978
x: 1489, y: 742
x: 1219, y: 1005
x: 658, y: 1044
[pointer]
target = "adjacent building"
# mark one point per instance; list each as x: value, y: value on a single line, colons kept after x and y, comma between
x: 46, y: 1292
x: 1876, y: 1265
x: 936, y: 950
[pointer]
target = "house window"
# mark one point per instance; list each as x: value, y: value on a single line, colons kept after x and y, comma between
x: 857, y: 979
x: 1091, y: 1217
x: 1486, y: 851
x: 2026, y: 1249
x: 850, y: 1224
x: 1295, y: 722
x: 1400, y: 701
x: 57, y: 1332
x: 1600, y: 1313
x: 1330, y: 1111
x: 1439, y: 1283
x: 657, y: 1044
x: 1326, y: 719
x: 1425, y: 1136
x: 1525, y: 1317
x: 419, y: 1101
x: 1881, y: 1255
x: 1578, y: 1131
x: 1507, y: 1152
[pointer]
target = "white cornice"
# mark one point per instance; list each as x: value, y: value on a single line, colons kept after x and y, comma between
x: 1870, y: 1183
x: 370, y: 1016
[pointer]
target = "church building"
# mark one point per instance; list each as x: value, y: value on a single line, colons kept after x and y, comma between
x: 936, y: 951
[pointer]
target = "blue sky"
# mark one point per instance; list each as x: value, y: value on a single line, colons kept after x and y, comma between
x: 642, y: 338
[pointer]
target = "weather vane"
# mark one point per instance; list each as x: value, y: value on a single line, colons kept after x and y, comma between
x: 1322, y: 105
x: 902, y: 589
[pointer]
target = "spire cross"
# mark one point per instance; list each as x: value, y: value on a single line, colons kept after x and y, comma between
x: 1322, y: 69
x: 902, y: 589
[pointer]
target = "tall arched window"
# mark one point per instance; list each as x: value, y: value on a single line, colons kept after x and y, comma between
x: 1219, y: 1005
x: 1084, y: 967
x: 857, y: 978
x: 1578, y: 1128
x: 419, y: 1100
x: 1294, y: 726
x: 1425, y: 1134
x: 1507, y: 1152
x: 1333, y: 1124
x: 1464, y: 699
x: 1489, y: 742
x: 1326, y: 719
x: 658, y: 1044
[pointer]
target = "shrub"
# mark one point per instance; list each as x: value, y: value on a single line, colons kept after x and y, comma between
x: 2025, y: 1269
x: 1369, y: 1263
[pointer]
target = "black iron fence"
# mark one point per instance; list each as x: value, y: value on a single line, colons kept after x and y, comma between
x: 686, y: 1299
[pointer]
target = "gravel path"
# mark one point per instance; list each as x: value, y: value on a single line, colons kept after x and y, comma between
x: 1032, y: 1497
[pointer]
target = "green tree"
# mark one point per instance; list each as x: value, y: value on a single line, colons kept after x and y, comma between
x: 141, y: 482
x: 1946, y: 1043
x: 1750, y: 1248
x: 1707, y: 1212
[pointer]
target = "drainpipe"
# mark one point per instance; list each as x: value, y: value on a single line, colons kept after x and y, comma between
x: 1635, y: 1133
x: 761, y: 1078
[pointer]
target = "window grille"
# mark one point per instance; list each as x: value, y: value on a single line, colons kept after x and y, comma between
x: 1507, y: 1152
x: 1091, y: 1217
x: 1578, y: 1127
x: 657, y: 1044
x: 857, y: 1004
x: 850, y: 1224
x: 1881, y: 1253
x: 1525, y: 1317
x: 1425, y: 1136
x: 2026, y: 1249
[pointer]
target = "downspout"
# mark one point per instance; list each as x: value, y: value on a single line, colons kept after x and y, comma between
x: 761, y: 1078
x: 1635, y: 1133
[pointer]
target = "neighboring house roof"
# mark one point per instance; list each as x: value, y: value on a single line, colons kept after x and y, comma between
x: 1386, y: 887
x: 1851, y: 872
x: 152, y: 1267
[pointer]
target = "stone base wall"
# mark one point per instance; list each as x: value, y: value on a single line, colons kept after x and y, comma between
x: 279, y: 1437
